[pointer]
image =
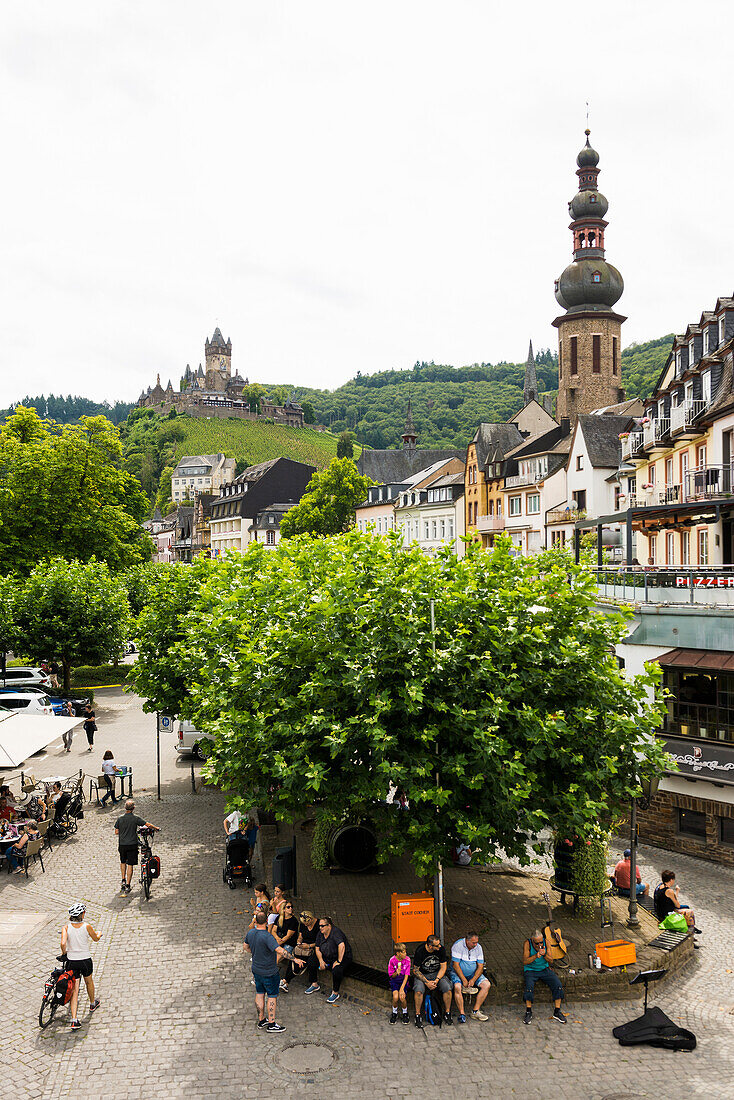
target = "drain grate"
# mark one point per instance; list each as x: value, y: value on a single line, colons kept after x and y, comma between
x: 306, y: 1058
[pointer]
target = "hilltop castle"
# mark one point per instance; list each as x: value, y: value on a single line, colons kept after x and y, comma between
x: 215, y: 391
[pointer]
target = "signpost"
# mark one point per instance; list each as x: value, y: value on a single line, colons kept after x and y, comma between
x: 163, y: 722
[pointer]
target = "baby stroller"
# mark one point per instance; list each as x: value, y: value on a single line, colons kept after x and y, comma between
x: 237, y: 861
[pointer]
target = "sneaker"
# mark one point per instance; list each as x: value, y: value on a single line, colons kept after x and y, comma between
x: 393, y: 1017
x: 75, y: 1025
x: 559, y: 1017
x: 697, y: 931
x: 332, y: 998
x: 275, y: 1029
x: 94, y: 1005
x: 462, y: 1018
x: 418, y: 1022
x: 283, y: 985
x: 528, y: 1016
x: 262, y: 1024
x: 313, y: 988
x: 448, y: 1019
x: 406, y: 1018
x: 128, y: 888
x: 123, y: 886
x: 478, y: 1015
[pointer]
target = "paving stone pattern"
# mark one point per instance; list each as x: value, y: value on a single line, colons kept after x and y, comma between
x: 177, y: 1016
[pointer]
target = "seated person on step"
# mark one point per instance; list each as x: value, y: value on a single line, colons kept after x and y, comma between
x: 622, y: 877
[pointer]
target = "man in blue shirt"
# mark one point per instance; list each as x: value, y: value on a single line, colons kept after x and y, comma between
x: 536, y: 968
x: 467, y: 966
x: 265, y: 953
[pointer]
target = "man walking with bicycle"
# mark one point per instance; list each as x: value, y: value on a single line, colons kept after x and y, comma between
x: 126, y: 830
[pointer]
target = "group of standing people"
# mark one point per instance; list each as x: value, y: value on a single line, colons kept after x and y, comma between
x: 90, y: 725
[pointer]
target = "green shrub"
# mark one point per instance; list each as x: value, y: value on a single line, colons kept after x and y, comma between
x: 94, y: 675
x: 325, y: 822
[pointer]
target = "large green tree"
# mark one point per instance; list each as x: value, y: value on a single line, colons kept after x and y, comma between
x: 327, y: 506
x: 317, y: 670
x: 72, y: 612
x: 65, y: 494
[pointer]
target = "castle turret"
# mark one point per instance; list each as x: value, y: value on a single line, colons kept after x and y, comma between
x: 589, y: 332
x: 218, y: 356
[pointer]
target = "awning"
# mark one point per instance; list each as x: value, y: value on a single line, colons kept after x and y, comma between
x: 711, y: 660
x: 21, y: 735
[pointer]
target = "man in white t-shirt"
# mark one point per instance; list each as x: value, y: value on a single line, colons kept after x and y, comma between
x: 233, y: 823
x: 467, y: 972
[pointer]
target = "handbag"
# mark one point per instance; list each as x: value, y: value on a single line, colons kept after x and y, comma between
x: 302, y: 950
x: 674, y: 922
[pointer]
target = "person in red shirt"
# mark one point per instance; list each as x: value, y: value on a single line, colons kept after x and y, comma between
x: 622, y: 877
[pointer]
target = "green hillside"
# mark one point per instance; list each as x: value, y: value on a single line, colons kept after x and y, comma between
x: 642, y: 364
x: 152, y: 445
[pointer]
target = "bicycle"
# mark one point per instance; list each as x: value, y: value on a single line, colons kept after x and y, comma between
x: 150, y: 865
x: 54, y: 994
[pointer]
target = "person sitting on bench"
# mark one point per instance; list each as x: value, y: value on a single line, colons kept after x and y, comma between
x: 666, y: 900
x: 622, y: 874
x: 536, y: 968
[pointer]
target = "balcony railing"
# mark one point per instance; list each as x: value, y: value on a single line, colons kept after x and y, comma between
x: 670, y: 584
x: 517, y: 480
x: 637, y: 442
x: 708, y: 482
x: 682, y: 416
x: 655, y: 431
x: 490, y: 523
x: 565, y: 515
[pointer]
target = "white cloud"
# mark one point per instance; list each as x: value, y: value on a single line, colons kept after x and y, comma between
x: 344, y: 187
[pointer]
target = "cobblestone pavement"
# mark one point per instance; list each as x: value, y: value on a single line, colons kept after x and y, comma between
x: 177, y: 1017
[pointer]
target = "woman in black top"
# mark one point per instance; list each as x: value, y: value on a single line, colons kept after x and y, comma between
x: 90, y: 726
x: 285, y: 932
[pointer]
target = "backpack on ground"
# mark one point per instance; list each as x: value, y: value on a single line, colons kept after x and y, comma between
x: 431, y: 1013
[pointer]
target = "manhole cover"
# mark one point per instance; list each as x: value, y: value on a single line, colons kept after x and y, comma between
x: 306, y: 1058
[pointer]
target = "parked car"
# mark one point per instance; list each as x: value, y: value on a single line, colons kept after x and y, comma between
x: 191, y: 740
x: 26, y: 701
x: 20, y: 677
x: 58, y: 698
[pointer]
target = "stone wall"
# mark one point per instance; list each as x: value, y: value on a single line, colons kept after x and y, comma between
x: 659, y: 826
x: 585, y: 391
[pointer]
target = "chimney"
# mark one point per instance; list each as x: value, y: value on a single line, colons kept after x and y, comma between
x: 565, y: 425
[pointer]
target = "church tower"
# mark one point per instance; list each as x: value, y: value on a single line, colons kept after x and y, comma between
x: 218, y: 356
x: 409, y: 436
x: 589, y: 332
x: 530, y: 387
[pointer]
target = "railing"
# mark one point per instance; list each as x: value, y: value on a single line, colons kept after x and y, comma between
x: 708, y: 482
x: 517, y: 480
x: 682, y: 416
x: 490, y: 523
x: 637, y: 442
x: 671, y: 584
x: 655, y: 431
x: 671, y: 494
x: 564, y: 515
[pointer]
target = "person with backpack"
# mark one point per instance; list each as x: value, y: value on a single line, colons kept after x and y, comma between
x: 430, y: 964
x: 76, y: 942
x: 398, y: 972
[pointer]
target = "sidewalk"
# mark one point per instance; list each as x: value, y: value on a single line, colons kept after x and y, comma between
x: 503, y: 904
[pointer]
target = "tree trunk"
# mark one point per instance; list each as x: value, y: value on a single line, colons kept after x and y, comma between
x: 66, y: 665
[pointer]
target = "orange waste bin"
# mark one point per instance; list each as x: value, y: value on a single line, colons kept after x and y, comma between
x: 412, y: 917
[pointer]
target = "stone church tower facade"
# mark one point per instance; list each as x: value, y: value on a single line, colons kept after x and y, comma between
x: 589, y: 332
x: 218, y: 357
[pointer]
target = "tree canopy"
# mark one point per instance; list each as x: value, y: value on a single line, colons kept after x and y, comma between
x: 65, y: 494
x: 317, y: 670
x: 327, y: 506
x: 73, y: 612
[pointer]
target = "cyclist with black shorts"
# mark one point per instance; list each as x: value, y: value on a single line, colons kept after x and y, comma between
x: 126, y: 830
x: 76, y: 943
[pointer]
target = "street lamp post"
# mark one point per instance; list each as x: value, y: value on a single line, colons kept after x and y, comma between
x: 649, y: 790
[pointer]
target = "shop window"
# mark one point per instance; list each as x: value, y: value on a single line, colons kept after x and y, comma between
x: 726, y: 830
x: 692, y: 823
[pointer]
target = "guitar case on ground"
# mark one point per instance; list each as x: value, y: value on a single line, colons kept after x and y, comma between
x: 655, y: 1029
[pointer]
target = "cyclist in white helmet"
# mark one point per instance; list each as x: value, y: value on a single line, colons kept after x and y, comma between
x: 76, y: 944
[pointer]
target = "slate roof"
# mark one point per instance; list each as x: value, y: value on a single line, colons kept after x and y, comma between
x: 491, y: 438
x: 254, y: 473
x: 389, y: 467
x: 601, y: 435
x: 631, y: 407
x: 447, y: 479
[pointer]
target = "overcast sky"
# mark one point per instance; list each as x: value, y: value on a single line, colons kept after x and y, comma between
x: 345, y: 186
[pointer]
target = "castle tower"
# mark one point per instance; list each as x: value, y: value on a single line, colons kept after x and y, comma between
x: 530, y: 389
x: 589, y: 332
x: 409, y: 436
x: 218, y: 356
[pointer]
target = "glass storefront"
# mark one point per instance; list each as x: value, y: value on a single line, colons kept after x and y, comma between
x: 701, y: 704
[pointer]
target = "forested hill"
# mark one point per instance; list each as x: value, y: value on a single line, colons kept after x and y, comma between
x: 448, y: 402
x: 68, y: 410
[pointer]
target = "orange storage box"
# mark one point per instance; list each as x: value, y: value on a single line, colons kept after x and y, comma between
x: 412, y: 917
x: 617, y: 952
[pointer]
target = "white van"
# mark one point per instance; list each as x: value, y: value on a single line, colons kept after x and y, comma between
x: 27, y: 701
x: 191, y: 740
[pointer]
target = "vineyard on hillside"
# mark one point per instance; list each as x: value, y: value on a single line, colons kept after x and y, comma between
x: 252, y: 441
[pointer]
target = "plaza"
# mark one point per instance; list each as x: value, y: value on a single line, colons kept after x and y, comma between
x: 177, y: 1016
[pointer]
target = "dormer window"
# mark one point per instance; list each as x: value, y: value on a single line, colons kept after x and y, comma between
x: 722, y: 328
x: 596, y: 276
x: 692, y: 353
x: 705, y: 342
